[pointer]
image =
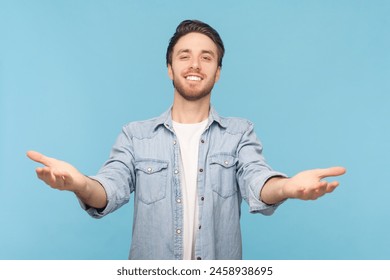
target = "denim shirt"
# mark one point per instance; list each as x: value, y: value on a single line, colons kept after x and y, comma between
x: 145, y: 161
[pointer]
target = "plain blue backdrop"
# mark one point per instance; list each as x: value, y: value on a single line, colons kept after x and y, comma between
x: 314, y: 77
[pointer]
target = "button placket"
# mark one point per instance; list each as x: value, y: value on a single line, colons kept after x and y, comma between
x: 178, y: 206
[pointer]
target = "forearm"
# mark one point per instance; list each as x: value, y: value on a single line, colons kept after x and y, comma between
x: 272, y: 191
x: 93, y: 194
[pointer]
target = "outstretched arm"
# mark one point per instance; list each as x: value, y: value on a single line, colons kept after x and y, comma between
x: 63, y: 176
x: 306, y: 185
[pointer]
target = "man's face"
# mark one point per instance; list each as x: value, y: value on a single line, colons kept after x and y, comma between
x: 194, y: 69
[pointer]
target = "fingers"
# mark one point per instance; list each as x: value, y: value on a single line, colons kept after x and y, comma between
x: 317, y: 191
x: 38, y: 157
x: 53, y: 178
x: 331, y: 186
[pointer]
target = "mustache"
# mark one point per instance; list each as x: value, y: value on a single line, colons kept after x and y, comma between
x: 196, y: 72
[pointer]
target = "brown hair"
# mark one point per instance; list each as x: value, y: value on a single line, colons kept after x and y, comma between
x: 189, y: 26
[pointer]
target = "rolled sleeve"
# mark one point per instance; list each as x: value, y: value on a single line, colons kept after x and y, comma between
x: 111, y: 206
x: 254, y: 172
x: 116, y: 176
x: 254, y: 199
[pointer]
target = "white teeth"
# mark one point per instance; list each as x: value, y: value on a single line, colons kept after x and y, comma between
x: 193, y: 78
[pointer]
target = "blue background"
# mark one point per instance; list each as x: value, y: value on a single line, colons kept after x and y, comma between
x: 314, y: 77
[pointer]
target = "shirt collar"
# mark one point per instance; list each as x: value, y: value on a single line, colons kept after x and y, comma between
x: 165, y: 119
x: 214, y: 117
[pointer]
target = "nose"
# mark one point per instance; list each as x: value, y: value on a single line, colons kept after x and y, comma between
x: 195, y: 65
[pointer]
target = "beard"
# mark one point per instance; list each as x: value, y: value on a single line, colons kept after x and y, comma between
x: 192, y: 92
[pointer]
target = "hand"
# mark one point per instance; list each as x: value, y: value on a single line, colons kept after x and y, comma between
x: 309, y: 185
x: 58, y: 174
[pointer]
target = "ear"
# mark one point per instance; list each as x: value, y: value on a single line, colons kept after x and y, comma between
x: 218, y: 74
x: 170, y: 72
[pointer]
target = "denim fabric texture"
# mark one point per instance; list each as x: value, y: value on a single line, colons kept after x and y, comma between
x: 145, y: 162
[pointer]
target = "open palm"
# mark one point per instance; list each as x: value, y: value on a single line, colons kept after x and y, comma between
x: 309, y: 184
x: 58, y: 174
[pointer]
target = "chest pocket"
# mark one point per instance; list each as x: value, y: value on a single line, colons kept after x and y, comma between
x: 223, y: 174
x: 151, y: 180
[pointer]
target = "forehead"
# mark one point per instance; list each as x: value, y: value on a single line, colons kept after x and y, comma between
x: 195, y: 42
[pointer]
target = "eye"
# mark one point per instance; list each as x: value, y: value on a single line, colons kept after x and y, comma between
x: 207, y: 58
x: 184, y: 57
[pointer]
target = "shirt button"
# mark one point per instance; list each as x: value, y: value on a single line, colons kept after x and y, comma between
x: 226, y: 162
x: 202, y: 141
x: 176, y: 171
x: 178, y: 200
x: 198, y: 258
x: 174, y: 142
x: 150, y: 169
x: 201, y: 170
x: 178, y: 231
x: 202, y: 198
x: 200, y: 226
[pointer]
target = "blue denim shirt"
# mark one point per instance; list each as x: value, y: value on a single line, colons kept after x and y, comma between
x: 145, y: 161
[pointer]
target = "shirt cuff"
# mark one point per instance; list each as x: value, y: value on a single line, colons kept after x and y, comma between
x: 99, y: 213
x: 255, y: 203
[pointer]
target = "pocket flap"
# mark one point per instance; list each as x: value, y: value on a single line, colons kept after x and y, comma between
x: 151, y: 165
x: 224, y: 160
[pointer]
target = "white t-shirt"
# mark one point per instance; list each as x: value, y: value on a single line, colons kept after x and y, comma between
x: 189, y: 137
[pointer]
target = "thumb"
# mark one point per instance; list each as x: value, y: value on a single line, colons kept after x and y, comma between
x: 38, y: 157
x: 331, y: 171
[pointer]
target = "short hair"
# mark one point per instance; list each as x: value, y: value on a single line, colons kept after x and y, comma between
x: 189, y: 26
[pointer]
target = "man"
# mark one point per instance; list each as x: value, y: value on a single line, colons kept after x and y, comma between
x: 189, y: 169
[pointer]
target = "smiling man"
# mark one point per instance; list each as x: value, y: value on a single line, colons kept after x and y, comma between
x: 195, y: 70
x: 189, y: 168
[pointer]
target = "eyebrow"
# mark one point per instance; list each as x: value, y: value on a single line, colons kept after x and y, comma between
x: 210, y: 52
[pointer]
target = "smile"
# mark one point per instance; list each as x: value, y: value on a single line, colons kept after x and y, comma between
x: 193, y: 78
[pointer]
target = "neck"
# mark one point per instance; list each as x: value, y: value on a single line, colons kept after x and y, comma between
x: 184, y: 111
